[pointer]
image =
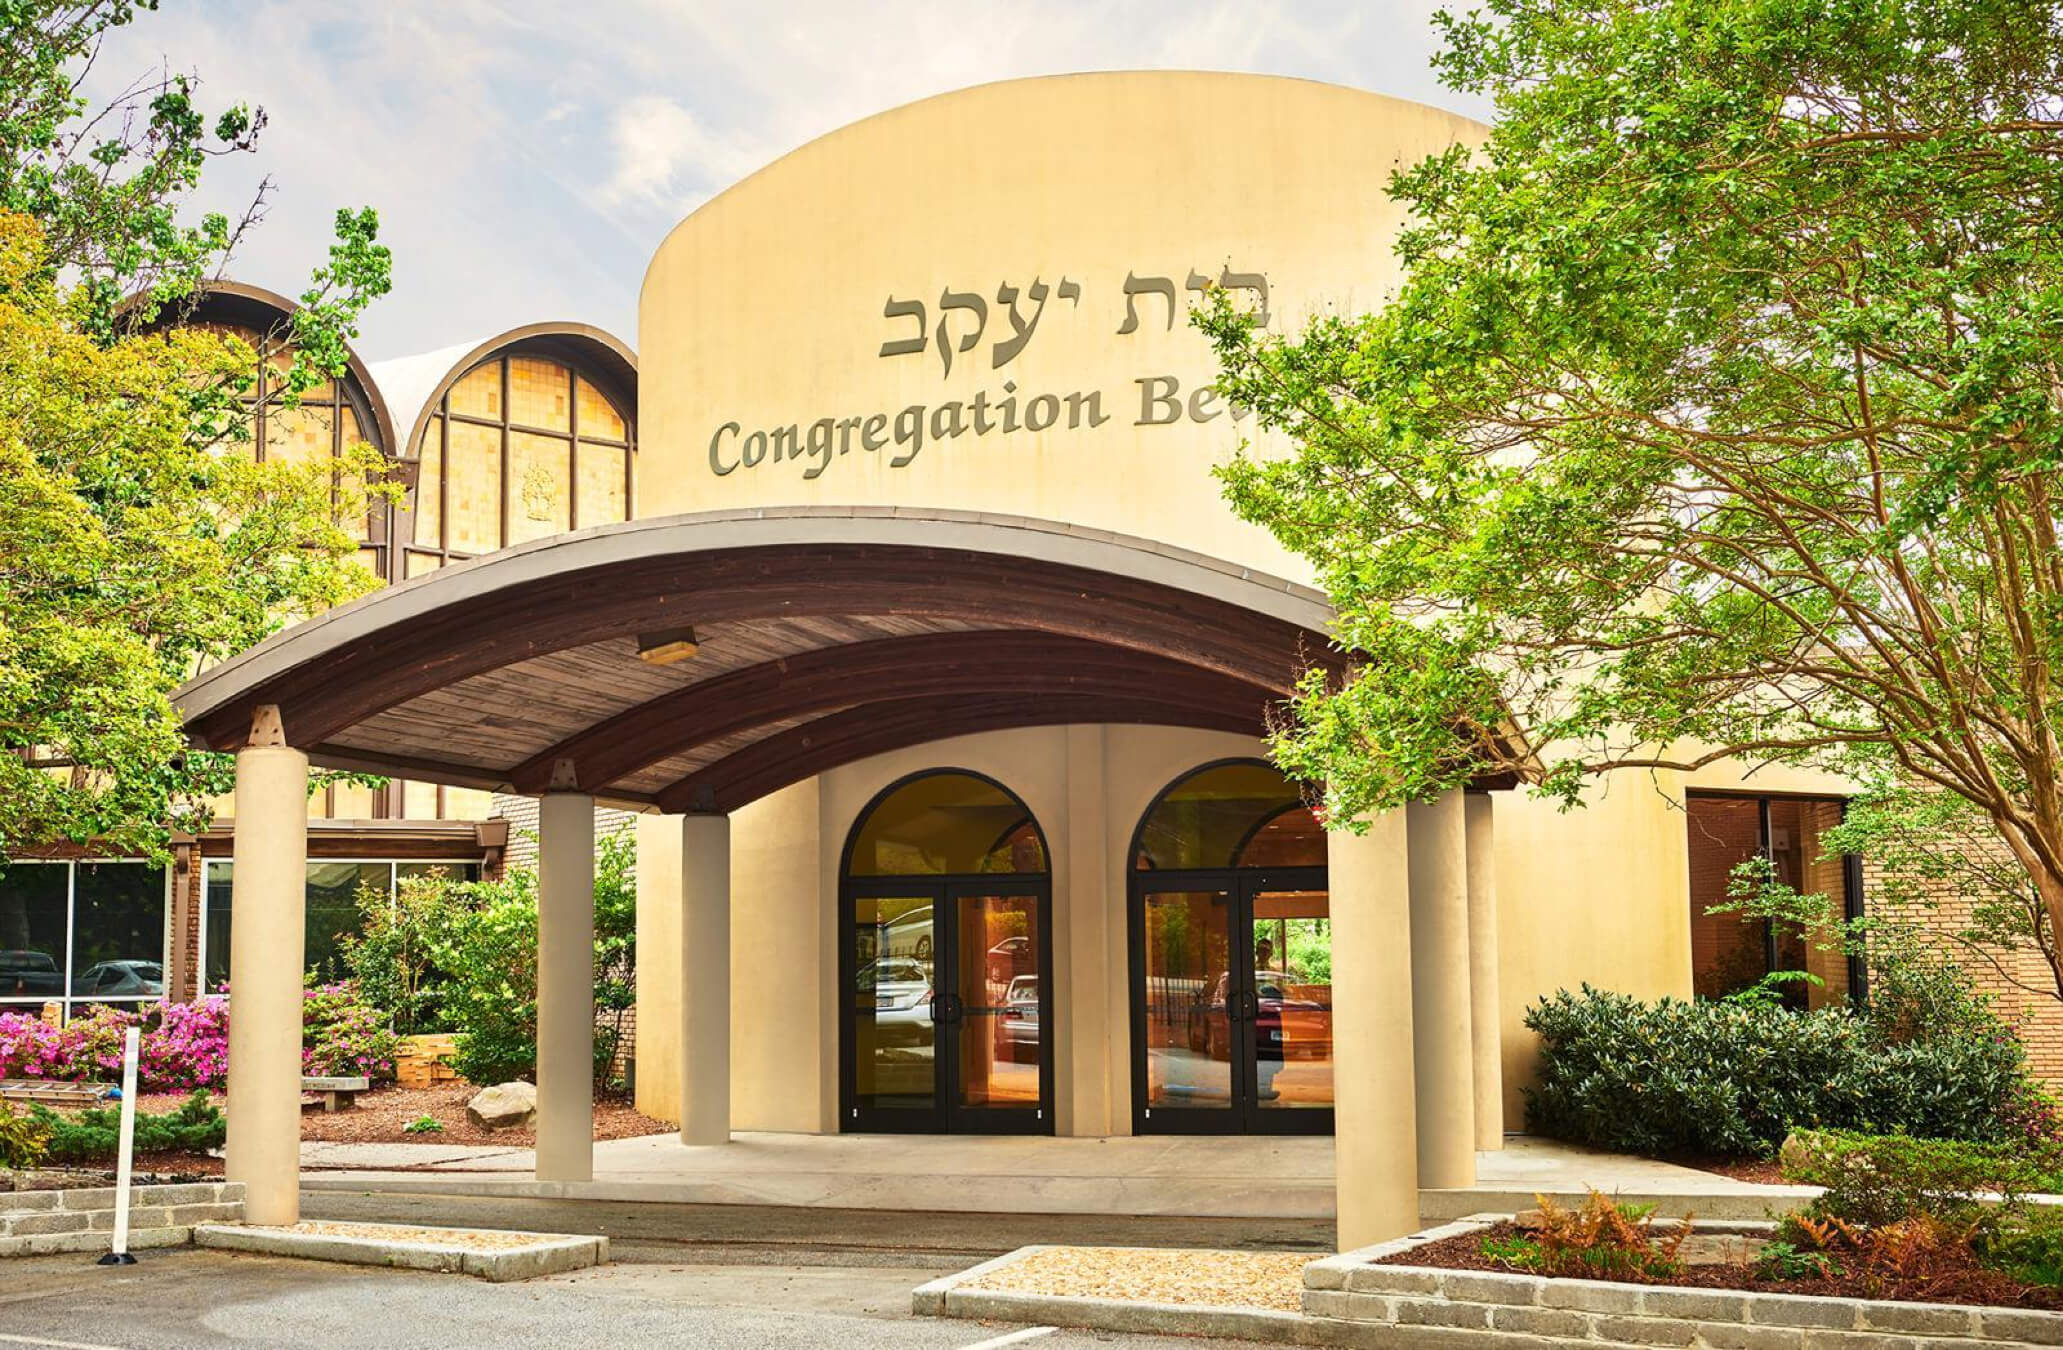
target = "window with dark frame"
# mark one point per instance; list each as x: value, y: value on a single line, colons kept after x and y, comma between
x: 1731, y: 952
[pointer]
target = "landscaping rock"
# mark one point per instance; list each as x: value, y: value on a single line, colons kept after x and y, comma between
x: 1796, y: 1153
x: 504, y: 1106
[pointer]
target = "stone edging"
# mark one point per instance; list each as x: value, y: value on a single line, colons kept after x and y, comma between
x: 1534, y: 1310
x: 408, y: 1248
x: 945, y: 1297
x: 39, y: 1223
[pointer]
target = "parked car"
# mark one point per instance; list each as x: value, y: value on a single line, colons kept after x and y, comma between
x: 28, y: 974
x: 1010, y: 958
x: 901, y: 987
x: 908, y: 934
x: 1284, y: 1027
x: 118, y: 979
x: 1017, y: 1024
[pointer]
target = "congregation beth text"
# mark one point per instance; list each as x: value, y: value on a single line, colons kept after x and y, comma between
x: 963, y: 318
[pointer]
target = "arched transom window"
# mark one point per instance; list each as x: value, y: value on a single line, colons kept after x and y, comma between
x: 521, y: 447
x: 328, y: 419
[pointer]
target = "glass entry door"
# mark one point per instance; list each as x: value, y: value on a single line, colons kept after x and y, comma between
x: 947, y: 1028
x: 1232, y: 1003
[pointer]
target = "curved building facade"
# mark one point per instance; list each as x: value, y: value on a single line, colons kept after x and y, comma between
x: 892, y: 587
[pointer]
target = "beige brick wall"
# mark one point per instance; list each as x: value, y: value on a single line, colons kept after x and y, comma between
x: 2015, y: 981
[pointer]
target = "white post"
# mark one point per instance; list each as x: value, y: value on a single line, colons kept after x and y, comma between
x: 125, y: 1156
x: 705, y: 949
x: 565, y: 987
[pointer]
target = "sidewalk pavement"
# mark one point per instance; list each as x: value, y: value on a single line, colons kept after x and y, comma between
x: 1225, y: 1176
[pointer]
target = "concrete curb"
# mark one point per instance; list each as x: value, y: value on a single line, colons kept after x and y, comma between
x: 946, y: 1297
x: 547, y: 1254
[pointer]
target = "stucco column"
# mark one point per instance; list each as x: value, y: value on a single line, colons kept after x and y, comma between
x: 1486, y: 1019
x: 268, y: 901
x: 565, y: 987
x: 1442, y: 1045
x: 705, y: 950
x: 1375, y: 1141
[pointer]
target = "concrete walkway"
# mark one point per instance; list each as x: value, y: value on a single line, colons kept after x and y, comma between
x: 1216, y: 1176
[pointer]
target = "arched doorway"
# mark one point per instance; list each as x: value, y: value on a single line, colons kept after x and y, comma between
x: 945, y: 923
x: 1231, y: 958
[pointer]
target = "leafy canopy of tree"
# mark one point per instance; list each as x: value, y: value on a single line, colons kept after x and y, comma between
x: 140, y: 540
x: 1719, y: 415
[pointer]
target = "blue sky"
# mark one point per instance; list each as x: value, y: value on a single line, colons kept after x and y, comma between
x: 527, y: 156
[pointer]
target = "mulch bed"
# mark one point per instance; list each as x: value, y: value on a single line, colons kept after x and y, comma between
x: 377, y: 1118
x: 378, y: 1115
x: 1966, y: 1284
x: 1756, y: 1171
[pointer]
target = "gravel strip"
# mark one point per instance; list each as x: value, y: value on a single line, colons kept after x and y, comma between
x: 1157, y: 1275
x: 472, y: 1239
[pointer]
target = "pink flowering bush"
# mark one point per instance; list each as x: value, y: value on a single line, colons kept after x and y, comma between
x: 187, y: 1049
x: 31, y: 1048
x: 344, y: 1037
x: 184, y: 1046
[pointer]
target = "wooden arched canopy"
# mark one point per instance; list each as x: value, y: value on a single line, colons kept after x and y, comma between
x: 826, y: 635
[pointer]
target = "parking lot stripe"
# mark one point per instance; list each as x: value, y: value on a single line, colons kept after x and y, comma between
x: 1010, y: 1338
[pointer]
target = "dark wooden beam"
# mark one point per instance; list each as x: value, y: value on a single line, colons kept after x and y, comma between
x: 476, y: 634
x: 941, y: 666
x: 878, y: 728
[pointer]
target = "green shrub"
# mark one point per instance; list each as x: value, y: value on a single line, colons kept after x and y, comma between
x: 24, y: 1139
x: 491, y: 952
x: 94, y: 1136
x: 1600, y: 1240
x: 2029, y: 1247
x: 1782, y: 1260
x: 1873, y: 1180
x: 1729, y: 1079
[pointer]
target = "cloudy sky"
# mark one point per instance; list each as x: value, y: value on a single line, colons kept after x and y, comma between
x: 526, y: 156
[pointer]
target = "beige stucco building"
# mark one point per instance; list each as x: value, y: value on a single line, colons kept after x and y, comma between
x: 947, y: 731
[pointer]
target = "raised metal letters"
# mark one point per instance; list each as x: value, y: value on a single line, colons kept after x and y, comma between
x: 900, y: 309
x: 1256, y: 282
x: 1138, y: 285
x: 952, y: 299
x: 1006, y: 294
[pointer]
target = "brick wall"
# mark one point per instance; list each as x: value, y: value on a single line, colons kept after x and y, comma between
x: 2015, y: 981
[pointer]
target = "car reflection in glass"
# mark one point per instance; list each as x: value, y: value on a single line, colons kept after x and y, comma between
x: 1017, y: 1026
x: 901, y: 987
x: 109, y: 979
x: 29, y: 974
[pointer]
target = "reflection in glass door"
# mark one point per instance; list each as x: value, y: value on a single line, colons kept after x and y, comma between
x: 1235, y: 999
x: 1292, y: 1002
x: 894, y: 1026
x: 999, y: 1035
x: 945, y: 922
x: 1230, y: 928
x: 1191, y: 993
x: 947, y: 1027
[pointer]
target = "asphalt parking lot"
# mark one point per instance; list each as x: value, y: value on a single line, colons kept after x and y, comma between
x: 703, y: 1276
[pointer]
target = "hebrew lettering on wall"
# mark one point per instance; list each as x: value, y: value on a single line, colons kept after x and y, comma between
x: 963, y: 316
x: 961, y: 300
x: 1006, y: 294
x: 1136, y: 286
x: 901, y: 309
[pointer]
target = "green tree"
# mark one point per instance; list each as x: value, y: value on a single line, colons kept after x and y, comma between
x: 1718, y: 416
x: 141, y: 541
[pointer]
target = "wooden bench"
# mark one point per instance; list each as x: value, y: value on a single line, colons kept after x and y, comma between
x: 47, y: 1092
x: 336, y: 1094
